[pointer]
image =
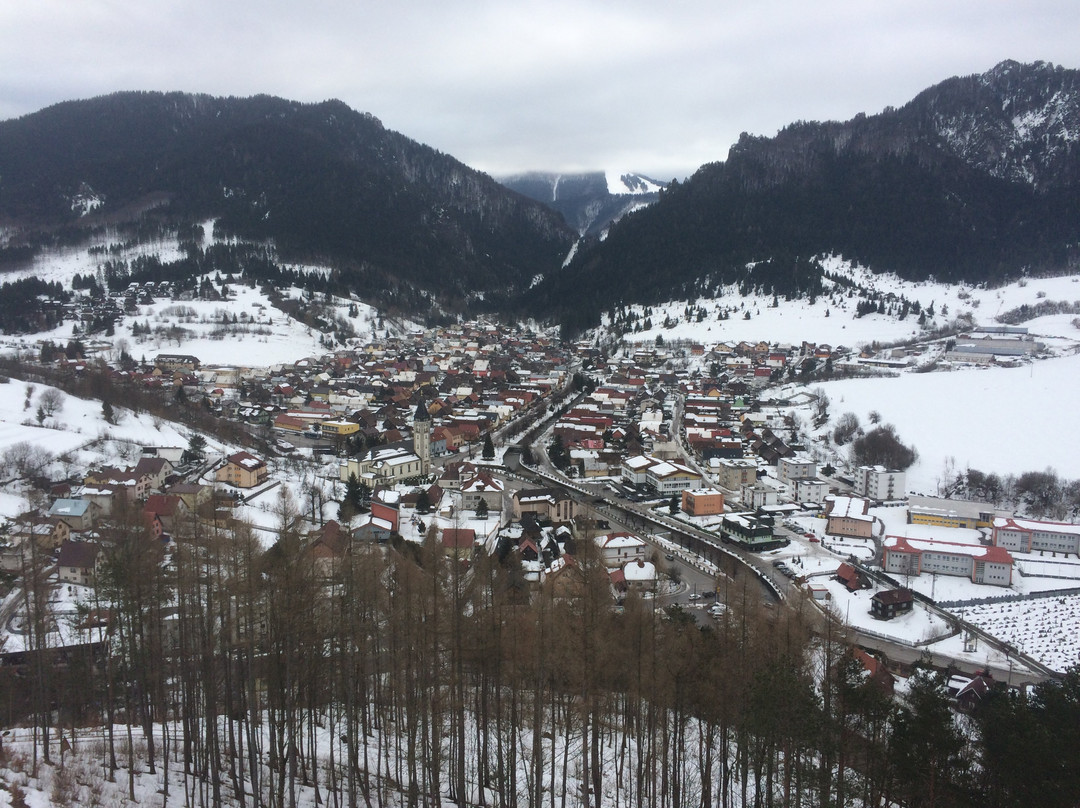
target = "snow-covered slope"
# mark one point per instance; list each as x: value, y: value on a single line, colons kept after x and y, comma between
x: 832, y: 319
x: 629, y: 183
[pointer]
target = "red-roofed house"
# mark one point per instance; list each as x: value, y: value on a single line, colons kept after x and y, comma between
x: 459, y: 541
x: 163, y: 512
x: 849, y: 577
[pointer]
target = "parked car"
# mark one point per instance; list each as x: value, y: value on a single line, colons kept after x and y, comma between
x: 779, y: 563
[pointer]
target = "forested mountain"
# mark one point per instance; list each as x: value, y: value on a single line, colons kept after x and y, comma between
x: 976, y: 179
x: 322, y: 181
x: 589, y: 202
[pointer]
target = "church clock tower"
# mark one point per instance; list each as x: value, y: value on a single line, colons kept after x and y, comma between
x: 422, y: 437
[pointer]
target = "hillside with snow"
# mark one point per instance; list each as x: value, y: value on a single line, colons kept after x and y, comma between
x: 1006, y: 420
x: 832, y: 317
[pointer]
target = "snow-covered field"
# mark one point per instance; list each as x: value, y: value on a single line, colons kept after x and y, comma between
x: 1004, y: 420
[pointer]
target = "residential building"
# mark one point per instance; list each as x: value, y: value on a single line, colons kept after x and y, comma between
x: 482, y: 486
x: 759, y: 495
x: 616, y: 549
x: 635, y: 469
x: 639, y: 575
x: 79, y: 514
x: 164, y: 513
x: 850, y: 577
x: 734, y: 473
x: 77, y: 562
x: 702, y: 501
x: 459, y: 542
x: 791, y: 469
x: 983, y: 565
x: 551, y: 503
x: 811, y: 490
x: 848, y: 516
x: 327, y: 548
x: 669, y: 477
x: 184, y: 362
x: 753, y: 531
x: 242, y: 470
x: 880, y: 483
x: 887, y: 604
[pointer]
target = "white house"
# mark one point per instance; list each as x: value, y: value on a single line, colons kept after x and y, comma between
x: 640, y: 575
x: 616, y: 549
x: 669, y: 477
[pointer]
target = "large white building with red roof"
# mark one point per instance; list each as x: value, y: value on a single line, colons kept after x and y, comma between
x: 982, y: 564
x: 1025, y: 535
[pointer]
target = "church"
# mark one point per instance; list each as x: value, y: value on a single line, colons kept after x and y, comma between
x: 394, y: 462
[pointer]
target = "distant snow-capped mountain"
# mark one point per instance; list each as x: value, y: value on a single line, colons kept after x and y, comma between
x: 591, y: 201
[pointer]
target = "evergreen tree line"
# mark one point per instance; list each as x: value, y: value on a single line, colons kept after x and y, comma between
x: 31, y: 304
x: 257, y: 677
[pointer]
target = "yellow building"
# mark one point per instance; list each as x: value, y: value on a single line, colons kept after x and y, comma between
x: 339, y: 429
x: 950, y: 513
x: 242, y: 470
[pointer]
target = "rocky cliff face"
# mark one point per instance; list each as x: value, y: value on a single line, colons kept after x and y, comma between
x: 1017, y: 122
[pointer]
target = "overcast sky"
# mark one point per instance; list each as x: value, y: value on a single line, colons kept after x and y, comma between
x: 654, y: 87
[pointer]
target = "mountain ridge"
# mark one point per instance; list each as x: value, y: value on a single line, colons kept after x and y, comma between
x: 909, y: 191
x: 321, y: 180
x: 976, y: 179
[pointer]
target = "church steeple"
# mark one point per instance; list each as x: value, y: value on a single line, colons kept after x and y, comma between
x: 422, y: 437
x: 421, y: 413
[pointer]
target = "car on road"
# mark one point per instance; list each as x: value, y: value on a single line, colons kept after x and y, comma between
x: 669, y: 557
x: 779, y: 563
x: 695, y: 596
